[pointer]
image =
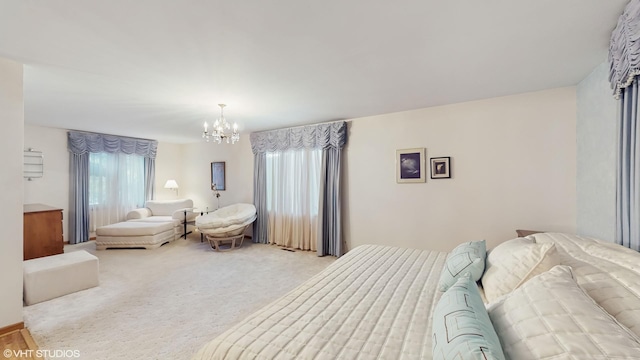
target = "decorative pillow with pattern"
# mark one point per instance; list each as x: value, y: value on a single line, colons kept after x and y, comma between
x: 513, y: 262
x: 461, y: 327
x: 465, y: 258
x: 551, y: 317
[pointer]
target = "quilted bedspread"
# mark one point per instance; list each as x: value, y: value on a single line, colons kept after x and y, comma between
x: 609, y: 273
x: 375, y: 302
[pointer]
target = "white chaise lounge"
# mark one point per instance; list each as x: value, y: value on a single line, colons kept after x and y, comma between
x: 158, y: 223
x: 134, y: 234
x: 165, y: 211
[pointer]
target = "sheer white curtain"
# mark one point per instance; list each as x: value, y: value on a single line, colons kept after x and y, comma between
x: 116, y: 186
x: 293, y: 194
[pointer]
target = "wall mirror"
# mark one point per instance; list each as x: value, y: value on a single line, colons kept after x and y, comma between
x: 218, y: 176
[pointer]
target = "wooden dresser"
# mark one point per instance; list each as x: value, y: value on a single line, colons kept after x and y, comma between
x: 42, y: 235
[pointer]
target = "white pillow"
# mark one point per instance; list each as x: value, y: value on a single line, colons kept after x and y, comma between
x: 551, y: 317
x: 513, y: 262
x: 168, y: 207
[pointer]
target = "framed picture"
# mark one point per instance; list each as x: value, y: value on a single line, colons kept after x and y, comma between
x: 410, y: 165
x: 217, y: 176
x: 441, y: 167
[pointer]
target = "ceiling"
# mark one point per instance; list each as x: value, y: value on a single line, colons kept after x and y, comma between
x: 158, y: 68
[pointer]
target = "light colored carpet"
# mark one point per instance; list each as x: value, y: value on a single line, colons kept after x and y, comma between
x: 166, y: 303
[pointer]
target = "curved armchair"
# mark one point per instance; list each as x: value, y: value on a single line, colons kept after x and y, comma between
x: 226, y: 224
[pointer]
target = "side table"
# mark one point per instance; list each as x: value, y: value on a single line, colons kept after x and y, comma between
x: 185, y: 222
x: 192, y: 222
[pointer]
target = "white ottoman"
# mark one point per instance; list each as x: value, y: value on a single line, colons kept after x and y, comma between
x: 49, y: 277
x: 134, y: 234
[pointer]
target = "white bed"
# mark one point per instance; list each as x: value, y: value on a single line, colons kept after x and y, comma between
x: 375, y: 302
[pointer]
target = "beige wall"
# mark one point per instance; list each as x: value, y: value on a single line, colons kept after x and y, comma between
x: 597, y: 144
x: 513, y: 166
x: 53, y: 188
x: 11, y: 181
x: 169, y: 165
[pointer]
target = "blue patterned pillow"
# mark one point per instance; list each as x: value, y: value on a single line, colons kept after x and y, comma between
x: 465, y: 258
x: 461, y: 326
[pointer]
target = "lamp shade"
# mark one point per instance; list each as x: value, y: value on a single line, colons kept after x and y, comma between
x: 171, y: 184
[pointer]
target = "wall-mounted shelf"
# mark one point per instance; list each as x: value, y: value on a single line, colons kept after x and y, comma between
x: 33, y: 165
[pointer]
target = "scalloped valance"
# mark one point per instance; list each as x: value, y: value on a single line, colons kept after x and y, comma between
x: 624, y: 48
x: 320, y: 136
x: 79, y: 142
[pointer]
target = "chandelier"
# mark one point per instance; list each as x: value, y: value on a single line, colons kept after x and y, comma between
x: 217, y: 134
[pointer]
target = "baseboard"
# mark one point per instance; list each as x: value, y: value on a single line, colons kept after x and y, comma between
x: 11, y: 328
x: 28, y: 339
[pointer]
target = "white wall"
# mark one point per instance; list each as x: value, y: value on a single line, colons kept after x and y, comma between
x: 596, y: 162
x: 53, y: 188
x: 196, y: 165
x: 513, y: 166
x: 11, y: 146
x: 169, y: 165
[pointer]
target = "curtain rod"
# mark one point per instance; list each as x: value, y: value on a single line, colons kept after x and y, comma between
x: 299, y: 126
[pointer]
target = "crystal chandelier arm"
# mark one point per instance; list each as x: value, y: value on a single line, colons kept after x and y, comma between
x: 217, y: 132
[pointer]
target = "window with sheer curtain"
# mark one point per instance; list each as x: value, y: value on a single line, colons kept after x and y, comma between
x: 293, y: 195
x: 296, y: 187
x: 116, y: 186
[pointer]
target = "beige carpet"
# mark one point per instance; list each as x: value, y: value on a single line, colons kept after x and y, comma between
x: 166, y: 303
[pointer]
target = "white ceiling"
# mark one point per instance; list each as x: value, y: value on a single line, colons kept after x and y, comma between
x: 158, y: 68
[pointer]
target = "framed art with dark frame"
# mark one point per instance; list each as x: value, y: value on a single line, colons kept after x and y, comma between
x: 410, y: 165
x: 218, y: 181
x: 441, y: 167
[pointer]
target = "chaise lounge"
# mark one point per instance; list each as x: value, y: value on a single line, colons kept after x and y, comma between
x: 165, y: 211
x: 133, y: 234
x: 159, y: 222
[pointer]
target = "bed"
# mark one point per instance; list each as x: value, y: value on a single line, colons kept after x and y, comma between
x: 379, y: 302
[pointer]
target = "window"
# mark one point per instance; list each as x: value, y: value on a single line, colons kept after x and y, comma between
x: 293, y: 196
x: 116, y: 186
